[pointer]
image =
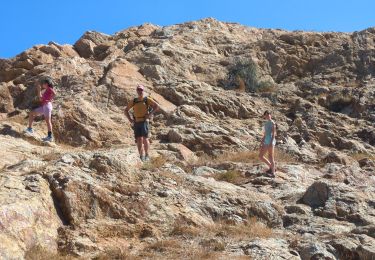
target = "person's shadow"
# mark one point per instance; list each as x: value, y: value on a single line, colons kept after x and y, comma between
x: 8, y: 130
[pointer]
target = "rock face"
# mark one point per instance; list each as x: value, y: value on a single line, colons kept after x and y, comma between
x: 89, y: 195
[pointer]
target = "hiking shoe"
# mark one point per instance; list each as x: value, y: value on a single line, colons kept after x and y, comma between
x: 147, y: 158
x: 29, y: 131
x: 47, y: 139
x: 142, y: 158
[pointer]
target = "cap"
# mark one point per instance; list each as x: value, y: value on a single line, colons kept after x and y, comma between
x: 47, y: 80
x: 140, y: 87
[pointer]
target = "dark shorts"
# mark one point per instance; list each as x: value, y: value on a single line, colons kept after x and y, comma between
x: 141, y: 129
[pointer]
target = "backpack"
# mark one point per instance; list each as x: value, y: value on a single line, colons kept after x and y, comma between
x: 135, y: 101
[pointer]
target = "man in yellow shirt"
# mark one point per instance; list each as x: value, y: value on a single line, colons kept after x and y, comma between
x: 141, y: 106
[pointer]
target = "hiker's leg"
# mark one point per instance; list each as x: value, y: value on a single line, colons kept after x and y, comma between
x: 146, y: 145
x: 271, y: 157
x: 262, y: 151
x: 48, y: 115
x: 49, y: 123
x: 32, y: 115
x: 146, y: 142
x: 139, y: 145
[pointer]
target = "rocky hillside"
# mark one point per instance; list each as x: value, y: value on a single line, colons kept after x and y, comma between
x: 203, y: 195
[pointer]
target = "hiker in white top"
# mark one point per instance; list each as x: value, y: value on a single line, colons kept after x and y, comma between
x: 268, y: 143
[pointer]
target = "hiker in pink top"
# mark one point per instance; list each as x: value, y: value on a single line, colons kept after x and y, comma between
x: 45, y: 108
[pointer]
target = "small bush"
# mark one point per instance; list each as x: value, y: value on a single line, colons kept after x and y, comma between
x: 243, y: 76
x: 245, y: 71
x: 231, y: 176
x: 337, y: 102
x: 266, y: 86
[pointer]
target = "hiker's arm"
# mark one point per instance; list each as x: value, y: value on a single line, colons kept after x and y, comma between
x: 38, y: 92
x: 53, y: 93
x: 273, y: 131
x: 155, y: 108
x: 128, y: 107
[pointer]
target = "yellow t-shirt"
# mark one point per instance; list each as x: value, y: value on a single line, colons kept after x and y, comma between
x: 140, y: 108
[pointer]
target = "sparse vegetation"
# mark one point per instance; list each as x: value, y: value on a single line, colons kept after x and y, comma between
x: 338, y: 101
x: 241, y: 157
x: 155, y: 163
x: 282, y: 156
x: 251, y: 228
x: 243, y: 76
x: 266, y: 86
x: 187, y: 241
x: 231, y: 176
x: 41, y: 253
x: 177, y: 178
x: 119, y: 254
x: 360, y: 156
x: 164, y: 245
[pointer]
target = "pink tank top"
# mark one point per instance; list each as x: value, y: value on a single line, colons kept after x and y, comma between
x: 47, y: 96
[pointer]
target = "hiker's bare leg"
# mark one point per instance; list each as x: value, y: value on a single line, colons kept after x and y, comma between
x: 146, y: 145
x: 32, y: 115
x: 139, y: 145
x: 49, y: 124
x: 262, y: 151
x: 271, y: 157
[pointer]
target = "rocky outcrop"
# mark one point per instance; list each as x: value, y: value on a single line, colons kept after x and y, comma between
x: 89, y: 195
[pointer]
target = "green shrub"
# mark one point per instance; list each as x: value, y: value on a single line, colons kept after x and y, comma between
x: 338, y: 101
x: 243, y: 75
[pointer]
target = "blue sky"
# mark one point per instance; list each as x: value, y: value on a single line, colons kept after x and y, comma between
x: 29, y: 22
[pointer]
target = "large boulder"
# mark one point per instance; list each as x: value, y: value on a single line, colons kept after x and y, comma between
x: 317, y: 194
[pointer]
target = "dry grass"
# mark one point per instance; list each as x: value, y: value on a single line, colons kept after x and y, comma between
x: 155, y: 163
x: 252, y: 228
x: 281, y: 156
x: 118, y: 254
x: 177, y: 249
x: 165, y: 245
x: 182, y: 228
x: 360, y: 156
x: 241, y: 156
x: 170, y: 175
x: 188, y: 241
x: 203, y: 190
x: 41, y: 253
x: 352, y: 84
x: 267, y: 87
x: 138, y: 206
x: 126, y: 189
x: 231, y: 176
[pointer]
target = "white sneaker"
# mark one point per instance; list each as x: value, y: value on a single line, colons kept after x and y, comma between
x: 29, y: 131
x: 47, y: 139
